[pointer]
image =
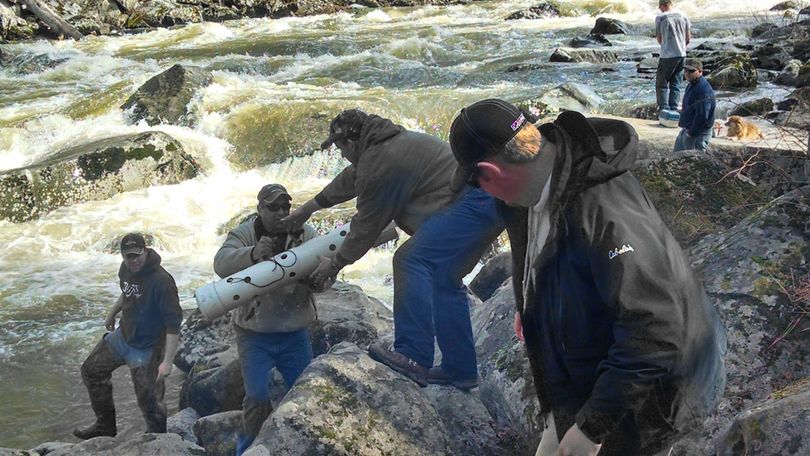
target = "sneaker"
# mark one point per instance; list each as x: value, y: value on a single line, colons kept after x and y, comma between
x: 438, y: 376
x: 96, y: 430
x: 399, y: 362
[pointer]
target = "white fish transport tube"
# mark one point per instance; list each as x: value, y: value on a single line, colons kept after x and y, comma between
x: 217, y: 298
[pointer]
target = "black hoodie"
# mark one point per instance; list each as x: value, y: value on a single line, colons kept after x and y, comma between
x: 151, y: 304
x: 621, y: 336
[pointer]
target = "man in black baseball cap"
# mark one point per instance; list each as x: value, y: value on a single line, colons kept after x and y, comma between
x: 145, y: 340
x: 625, y: 353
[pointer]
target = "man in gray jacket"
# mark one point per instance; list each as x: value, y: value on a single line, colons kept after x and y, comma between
x: 271, y: 330
x: 405, y: 176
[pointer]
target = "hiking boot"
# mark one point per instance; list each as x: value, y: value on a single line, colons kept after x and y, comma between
x: 96, y: 430
x: 399, y: 362
x: 438, y: 376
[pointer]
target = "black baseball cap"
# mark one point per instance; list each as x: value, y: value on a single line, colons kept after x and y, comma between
x: 482, y: 130
x: 346, y: 125
x: 133, y: 243
x: 271, y: 192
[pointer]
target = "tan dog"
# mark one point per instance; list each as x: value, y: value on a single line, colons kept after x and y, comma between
x: 742, y: 129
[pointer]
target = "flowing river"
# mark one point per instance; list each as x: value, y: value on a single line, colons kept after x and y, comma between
x: 416, y: 66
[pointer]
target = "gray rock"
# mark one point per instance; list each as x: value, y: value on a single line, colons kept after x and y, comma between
x: 790, y: 73
x: 648, y: 111
x: 572, y: 96
x: 94, y: 171
x: 182, y: 424
x: 609, y: 26
x: 164, y: 98
x: 345, y: 313
x: 756, y: 107
x: 218, y: 433
x: 783, y: 6
x: 137, y: 445
x: 764, y: 27
x: 214, y: 384
x: 737, y: 72
x: 776, y: 426
x: 541, y: 11
x: 347, y: 403
x: 593, y: 40
x: 770, y: 57
x: 494, y: 273
x: 583, y: 55
x: 13, y: 27
x: 49, y: 447
x: 15, y: 452
x: 507, y: 388
x: 201, y: 338
x: 754, y: 273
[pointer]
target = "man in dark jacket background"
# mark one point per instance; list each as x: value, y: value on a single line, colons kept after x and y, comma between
x: 625, y: 348
x: 697, y: 113
x: 146, y: 340
x: 405, y: 176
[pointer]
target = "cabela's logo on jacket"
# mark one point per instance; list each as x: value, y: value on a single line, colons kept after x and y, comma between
x: 619, y: 251
x: 131, y: 289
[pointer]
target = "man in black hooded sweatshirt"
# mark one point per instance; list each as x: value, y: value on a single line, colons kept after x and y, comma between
x: 625, y: 347
x: 145, y: 340
x: 405, y: 176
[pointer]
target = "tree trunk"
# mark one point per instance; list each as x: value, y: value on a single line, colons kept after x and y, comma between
x: 51, y: 19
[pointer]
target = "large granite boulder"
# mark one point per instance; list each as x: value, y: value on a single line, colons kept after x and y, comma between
x: 182, y: 424
x: 214, y: 384
x: 347, y: 403
x: 777, y: 426
x: 13, y: 27
x: 507, y: 387
x: 757, y: 107
x: 165, y: 97
x: 583, y: 55
x: 609, y: 26
x: 136, y: 445
x: 737, y: 72
x: 94, y: 171
x: 218, y: 433
x: 201, y: 338
x: 756, y: 275
x: 770, y: 57
x: 571, y: 96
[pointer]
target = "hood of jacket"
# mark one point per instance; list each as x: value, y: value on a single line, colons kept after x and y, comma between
x: 376, y: 130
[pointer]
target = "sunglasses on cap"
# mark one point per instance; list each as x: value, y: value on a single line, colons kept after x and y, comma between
x: 273, y: 207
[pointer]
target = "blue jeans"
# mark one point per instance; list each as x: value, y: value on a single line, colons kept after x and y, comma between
x: 291, y: 353
x: 668, y: 80
x: 133, y: 357
x: 430, y: 299
x: 698, y: 142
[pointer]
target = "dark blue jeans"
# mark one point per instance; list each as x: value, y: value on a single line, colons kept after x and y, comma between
x: 290, y: 353
x: 698, y: 142
x: 668, y: 81
x: 430, y: 299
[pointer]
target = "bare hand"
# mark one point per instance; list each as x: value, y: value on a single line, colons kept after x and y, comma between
x: 519, y: 327
x: 164, y: 370
x: 575, y: 443
x: 296, y: 219
x: 263, y: 249
x: 109, y: 322
x: 324, y: 274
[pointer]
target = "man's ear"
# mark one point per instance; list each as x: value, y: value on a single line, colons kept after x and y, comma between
x: 488, y: 171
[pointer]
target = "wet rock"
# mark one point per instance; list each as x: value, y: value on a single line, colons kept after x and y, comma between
x: 737, y: 72
x: 182, y: 424
x: 696, y: 196
x: 756, y: 107
x: 214, y: 384
x: 30, y: 63
x: 647, y: 65
x: 754, y: 273
x: 609, y: 26
x: 648, y: 111
x: 590, y: 41
x: 94, y: 171
x: 583, y: 55
x: 541, y: 11
x: 218, y: 433
x: 494, y: 273
x: 201, y: 338
x: 507, y: 388
x: 762, y: 28
x: 801, y: 50
x: 783, y: 6
x: 164, y: 98
x: 347, y: 403
x: 790, y: 73
x: 572, y: 96
x: 13, y: 27
x: 776, y: 426
x: 787, y: 104
x: 15, y: 452
x: 49, y: 447
x: 803, y: 79
x: 770, y: 57
x: 137, y: 445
